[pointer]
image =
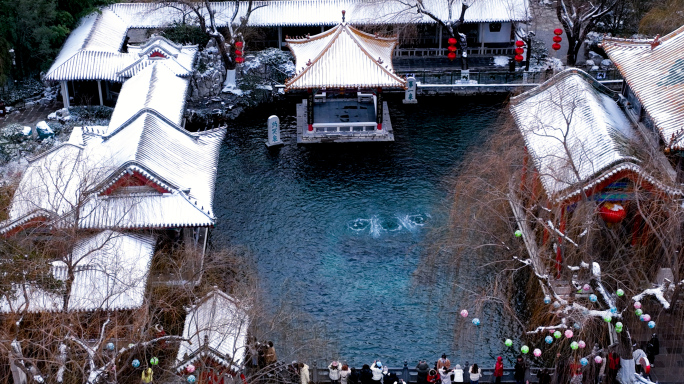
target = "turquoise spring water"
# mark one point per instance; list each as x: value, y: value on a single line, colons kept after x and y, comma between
x: 342, y: 225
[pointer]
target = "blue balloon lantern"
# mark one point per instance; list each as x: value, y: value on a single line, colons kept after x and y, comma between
x: 192, y: 379
x: 584, y: 361
x: 547, y: 300
x: 577, y: 326
x: 593, y: 298
x: 613, y: 310
x: 548, y: 339
x: 556, y: 305
x: 135, y: 363
x: 476, y: 321
x: 651, y: 324
x: 110, y: 346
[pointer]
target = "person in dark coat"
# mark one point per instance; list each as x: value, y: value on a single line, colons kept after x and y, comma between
x: 422, y: 368
x: 544, y: 376
x: 520, y: 368
x: 652, y: 348
x: 354, y: 376
x: 366, y: 375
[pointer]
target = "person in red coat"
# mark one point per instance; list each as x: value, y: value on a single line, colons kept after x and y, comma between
x: 498, y: 369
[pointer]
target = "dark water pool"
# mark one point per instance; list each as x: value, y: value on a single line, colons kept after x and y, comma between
x: 342, y: 225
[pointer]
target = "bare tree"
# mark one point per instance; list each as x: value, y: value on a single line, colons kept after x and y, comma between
x: 579, y: 17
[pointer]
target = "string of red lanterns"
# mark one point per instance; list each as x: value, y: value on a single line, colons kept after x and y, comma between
x: 452, y: 48
x: 557, y: 39
x: 519, y: 51
x: 238, y: 52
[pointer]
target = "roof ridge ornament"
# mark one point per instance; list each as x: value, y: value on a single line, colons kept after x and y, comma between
x: 656, y: 42
x: 343, y: 15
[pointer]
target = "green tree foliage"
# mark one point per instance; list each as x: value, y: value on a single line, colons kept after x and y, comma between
x: 663, y: 18
x: 186, y: 34
x: 36, y: 29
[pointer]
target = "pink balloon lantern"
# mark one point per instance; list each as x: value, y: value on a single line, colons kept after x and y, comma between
x: 464, y: 313
x: 190, y: 368
x: 582, y: 344
x: 637, y: 305
x: 537, y: 352
x: 586, y: 287
x: 598, y: 359
x: 646, y: 317
x: 568, y: 334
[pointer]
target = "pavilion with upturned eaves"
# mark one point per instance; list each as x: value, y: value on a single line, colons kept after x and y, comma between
x: 331, y: 67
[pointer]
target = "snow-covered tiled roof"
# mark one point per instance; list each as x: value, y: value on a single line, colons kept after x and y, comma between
x: 575, y: 132
x: 178, y: 59
x: 343, y: 57
x: 155, y: 88
x: 221, y: 321
x: 178, y: 166
x: 656, y: 75
x: 111, y: 272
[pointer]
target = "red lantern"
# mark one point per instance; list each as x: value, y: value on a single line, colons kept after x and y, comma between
x: 519, y: 51
x: 239, y: 44
x: 556, y: 46
x: 452, y: 41
x: 238, y: 52
x: 452, y: 48
x: 557, y: 39
x: 558, y: 31
x: 519, y: 43
x: 519, y: 58
x: 239, y: 60
x: 451, y: 56
x: 612, y: 213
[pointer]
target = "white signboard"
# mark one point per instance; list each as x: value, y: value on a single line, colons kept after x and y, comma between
x: 273, y: 129
x: 410, y: 93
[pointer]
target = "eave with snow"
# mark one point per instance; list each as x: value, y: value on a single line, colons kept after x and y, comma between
x: 339, y: 61
x: 654, y: 82
x: 216, y: 328
x: 110, y: 273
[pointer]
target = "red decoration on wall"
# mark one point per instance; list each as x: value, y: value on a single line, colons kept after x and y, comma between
x: 557, y: 39
x: 558, y: 31
x: 157, y: 54
x: 612, y: 213
x: 519, y: 58
x: 556, y: 46
x: 519, y: 43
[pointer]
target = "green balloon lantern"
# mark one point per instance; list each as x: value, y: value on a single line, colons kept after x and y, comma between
x: 518, y: 233
x: 525, y: 349
x: 508, y: 343
x: 607, y: 318
x: 620, y: 292
x: 639, y: 312
x: 557, y: 334
x: 154, y: 361
x: 574, y: 345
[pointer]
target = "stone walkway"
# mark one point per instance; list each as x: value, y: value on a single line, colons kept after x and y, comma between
x: 29, y: 116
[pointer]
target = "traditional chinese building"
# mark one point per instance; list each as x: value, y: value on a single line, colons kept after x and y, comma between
x: 334, y: 65
x: 654, y: 83
x: 216, y: 329
x: 582, y: 151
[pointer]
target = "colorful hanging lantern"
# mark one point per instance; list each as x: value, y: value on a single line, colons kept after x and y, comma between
x: 619, y: 325
x: 524, y: 349
x: 135, y: 363
x: 452, y: 41
x: 577, y: 326
x: 557, y: 31
x: 613, y: 310
x: 557, y: 39
x: 452, y: 48
x: 582, y: 344
x: 519, y: 51
x: 191, y: 379
x: 519, y: 58
x: 620, y: 292
x: 239, y: 60
x: 519, y: 43
x: 612, y: 213
x: 651, y: 324
x: 586, y: 287
x: 556, y: 46
x: 451, y: 56
x: 190, y: 368
x: 584, y: 361
x: 154, y: 361
x: 239, y: 44
x: 476, y: 321
x: 637, y: 305
x: 574, y: 345
x: 537, y: 352
x: 607, y: 318
x: 557, y: 334
x: 110, y: 346
x: 239, y: 53
x: 598, y: 360
x: 518, y: 233
x: 593, y: 298
x: 508, y: 343
x: 568, y: 334
x: 548, y: 339
x: 464, y: 313
x: 639, y: 312
x: 547, y: 300
x: 556, y: 305
x: 646, y: 317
